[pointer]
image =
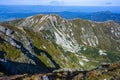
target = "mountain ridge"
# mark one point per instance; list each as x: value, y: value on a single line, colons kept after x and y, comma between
x: 56, y: 43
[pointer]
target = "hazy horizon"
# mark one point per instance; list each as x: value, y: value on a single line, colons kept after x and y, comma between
x: 48, y: 8
x: 62, y: 2
x: 59, y: 5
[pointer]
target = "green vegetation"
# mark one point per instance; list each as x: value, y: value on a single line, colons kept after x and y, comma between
x: 11, y: 53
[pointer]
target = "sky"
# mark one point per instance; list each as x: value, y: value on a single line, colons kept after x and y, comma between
x: 62, y: 2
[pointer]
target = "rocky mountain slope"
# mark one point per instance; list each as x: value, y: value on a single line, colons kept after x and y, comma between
x: 43, y: 43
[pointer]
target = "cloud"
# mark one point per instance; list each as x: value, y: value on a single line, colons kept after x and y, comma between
x: 58, y: 3
x: 108, y: 3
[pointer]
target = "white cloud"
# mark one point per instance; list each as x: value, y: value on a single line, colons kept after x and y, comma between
x: 56, y: 3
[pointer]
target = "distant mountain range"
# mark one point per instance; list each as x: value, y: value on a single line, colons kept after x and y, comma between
x: 103, y: 16
x: 96, y: 16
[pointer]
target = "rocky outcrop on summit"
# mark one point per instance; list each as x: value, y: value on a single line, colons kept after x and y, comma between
x: 49, y: 42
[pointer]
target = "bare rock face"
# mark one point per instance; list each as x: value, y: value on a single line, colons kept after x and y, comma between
x: 48, y: 42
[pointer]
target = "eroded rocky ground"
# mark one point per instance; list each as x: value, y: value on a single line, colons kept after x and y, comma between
x: 104, y: 72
